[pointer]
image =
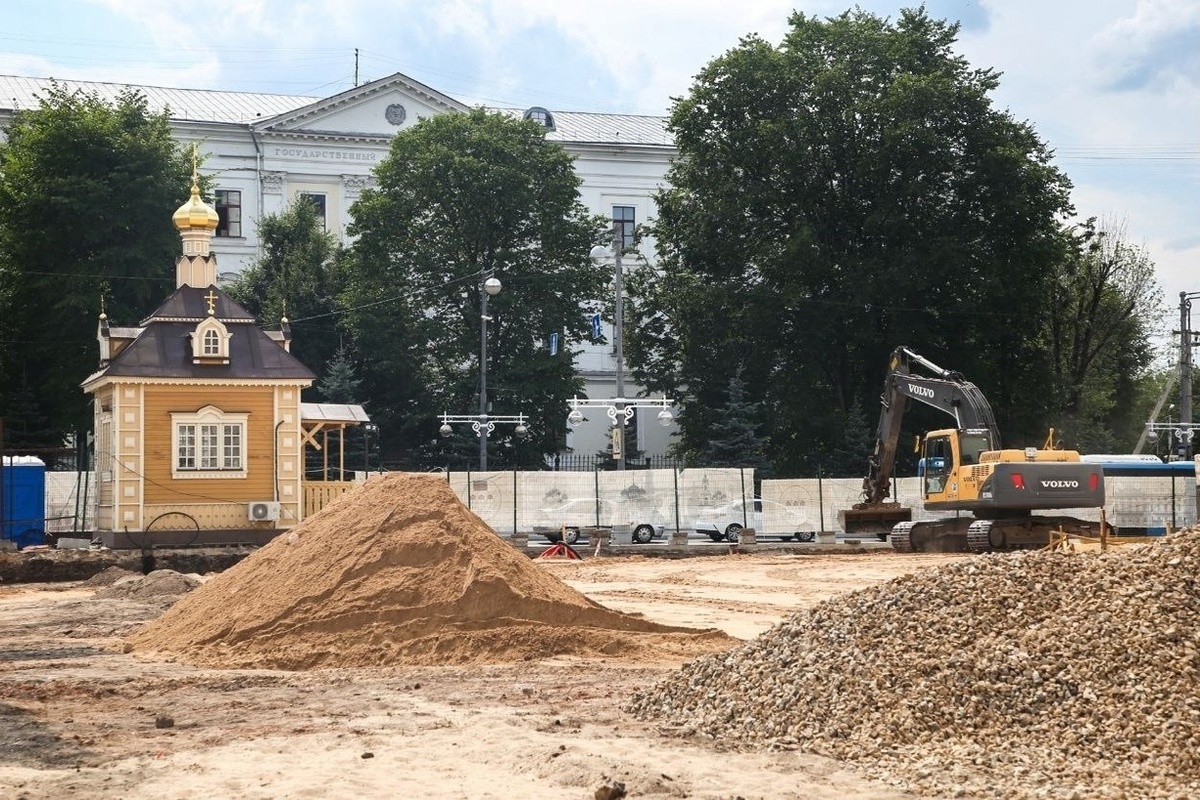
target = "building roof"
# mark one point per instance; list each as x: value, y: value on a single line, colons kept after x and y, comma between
x: 164, y: 347
x: 201, y: 105
x: 333, y: 412
x: 189, y: 303
x: 207, y: 105
x: 585, y: 127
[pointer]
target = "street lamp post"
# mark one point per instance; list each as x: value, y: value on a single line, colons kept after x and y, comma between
x: 484, y: 423
x: 1179, y: 434
x: 598, y: 253
x: 1184, y: 432
x: 490, y: 288
x: 620, y: 409
x: 1185, y: 366
x: 368, y: 429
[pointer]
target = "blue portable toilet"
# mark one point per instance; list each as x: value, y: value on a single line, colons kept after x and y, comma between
x: 23, y: 488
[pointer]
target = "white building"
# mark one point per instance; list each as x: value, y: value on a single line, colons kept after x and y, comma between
x: 264, y: 150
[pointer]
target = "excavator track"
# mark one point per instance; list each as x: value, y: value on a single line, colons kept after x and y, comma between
x: 901, y: 537
x: 930, y: 536
x: 979, y: 536
x: 1029, y: 533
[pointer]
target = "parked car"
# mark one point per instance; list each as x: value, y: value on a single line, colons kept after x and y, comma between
x: 766, y: 517
x: 566, y: 521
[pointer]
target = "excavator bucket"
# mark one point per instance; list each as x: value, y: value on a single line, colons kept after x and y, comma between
x: 874, y: 518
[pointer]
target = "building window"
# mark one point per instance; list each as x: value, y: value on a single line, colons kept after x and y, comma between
x: 212, y: 343
x: 229, y: 213
x: 541, y: 116
x: 625, y: 220
x: 318, y: 203
x: 210, y: 444
x: 210, y: 447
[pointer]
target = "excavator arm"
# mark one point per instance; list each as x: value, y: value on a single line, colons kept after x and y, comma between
x: 942, y: 389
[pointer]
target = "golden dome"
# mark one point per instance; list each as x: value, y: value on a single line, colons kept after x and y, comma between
x: 195, y: 213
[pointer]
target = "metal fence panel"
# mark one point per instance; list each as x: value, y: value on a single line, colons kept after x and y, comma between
x: 676, y: 499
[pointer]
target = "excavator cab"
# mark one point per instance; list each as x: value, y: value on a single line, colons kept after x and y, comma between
x: 939, y: 460
x: 947, y: 453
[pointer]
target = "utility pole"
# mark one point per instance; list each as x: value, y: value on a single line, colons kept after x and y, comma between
x: 1185, y: 370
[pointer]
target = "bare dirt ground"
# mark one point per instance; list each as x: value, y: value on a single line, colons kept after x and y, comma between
x: 81, y: 718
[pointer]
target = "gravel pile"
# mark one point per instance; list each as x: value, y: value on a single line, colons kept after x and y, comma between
x: 1022, y: 675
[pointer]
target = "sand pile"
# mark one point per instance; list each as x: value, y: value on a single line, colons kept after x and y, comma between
x: 1049, y: 674
x: 109, y: 575
x: 398, y: 571
x: 158, y: 585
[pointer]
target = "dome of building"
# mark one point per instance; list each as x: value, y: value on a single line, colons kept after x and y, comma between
x: 195, y: 213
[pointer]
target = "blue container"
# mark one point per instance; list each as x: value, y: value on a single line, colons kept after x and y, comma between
x: 23, y: 484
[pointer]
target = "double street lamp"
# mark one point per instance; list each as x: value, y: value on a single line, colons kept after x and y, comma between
x: 1182, y: 431
x: 620, y: 409
x: 483, y: 423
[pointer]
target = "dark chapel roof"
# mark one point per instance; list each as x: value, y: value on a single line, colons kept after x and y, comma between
x: 163, y: 349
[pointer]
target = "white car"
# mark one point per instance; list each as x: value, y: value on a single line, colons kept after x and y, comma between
x: 566, y: 521
x: 765, y: 517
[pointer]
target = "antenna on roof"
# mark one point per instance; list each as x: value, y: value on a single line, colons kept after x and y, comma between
x: 356, y: 66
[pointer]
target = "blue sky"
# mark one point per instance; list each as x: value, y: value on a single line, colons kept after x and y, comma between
x: 1112, y: 85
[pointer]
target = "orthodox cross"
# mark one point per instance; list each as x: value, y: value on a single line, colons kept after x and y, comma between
x: 211, y: 297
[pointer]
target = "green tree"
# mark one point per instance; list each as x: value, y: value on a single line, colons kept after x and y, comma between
x: 86, y: 195
x: 461, y: 197
x: 296, y: 276
x: 25, y: 427
x: 847, y: 191
x: 340, y: 384
x: 734, y: 440
x: 1100, y: 337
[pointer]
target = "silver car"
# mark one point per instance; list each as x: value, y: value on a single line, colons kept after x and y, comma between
x: 765, y: 517
x: 565, y: 522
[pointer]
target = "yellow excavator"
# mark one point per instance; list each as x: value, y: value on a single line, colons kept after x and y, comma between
x: 994, y: 492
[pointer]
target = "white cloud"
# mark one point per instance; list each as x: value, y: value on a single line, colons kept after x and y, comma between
x: 1155, y: 48
x: 1156, y: 222
x: 650, y: 51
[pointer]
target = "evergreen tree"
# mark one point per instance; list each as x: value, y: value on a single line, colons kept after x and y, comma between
x: 734, y: 439
x: 340, y: 383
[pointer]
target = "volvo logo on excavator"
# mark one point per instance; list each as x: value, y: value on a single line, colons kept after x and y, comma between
x: 1060, y: 484
x: 920, y: 391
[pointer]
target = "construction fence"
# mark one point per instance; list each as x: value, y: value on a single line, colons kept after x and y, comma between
x: 677, y: 498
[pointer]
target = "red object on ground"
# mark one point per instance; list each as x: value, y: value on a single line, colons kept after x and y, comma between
x: 559, y: 550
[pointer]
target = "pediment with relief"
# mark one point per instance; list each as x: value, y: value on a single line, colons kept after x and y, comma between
x: 379, y: 108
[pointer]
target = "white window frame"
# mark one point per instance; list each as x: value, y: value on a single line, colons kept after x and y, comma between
x: 211, y: 343
x: 202, y: 352
x: 208, y: 443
